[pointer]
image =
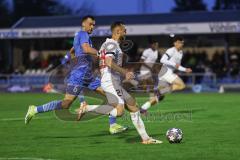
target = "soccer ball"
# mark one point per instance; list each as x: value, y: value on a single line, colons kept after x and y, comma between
x: 174, y: 135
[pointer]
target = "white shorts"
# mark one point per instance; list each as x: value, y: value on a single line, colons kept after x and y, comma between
x: 112, y: 87
x: 169, y: 77
x: 144, y: 75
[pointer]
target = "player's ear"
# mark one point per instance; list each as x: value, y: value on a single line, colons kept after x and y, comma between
x: 83, y: 24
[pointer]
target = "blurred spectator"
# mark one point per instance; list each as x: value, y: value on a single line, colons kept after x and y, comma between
x: 197, y: 60
x: 234, y: 64
x: 218, y: 65
x: 35, y: 59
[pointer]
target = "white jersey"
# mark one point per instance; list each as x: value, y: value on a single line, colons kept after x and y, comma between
x: 110, y: 79
x: 149, y: 57
x: 169, y: 61
x: 171, y: 58
x: 110, y: 48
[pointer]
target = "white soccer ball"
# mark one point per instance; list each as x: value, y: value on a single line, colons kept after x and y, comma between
x: 172, y: 35
x: 174, y: 135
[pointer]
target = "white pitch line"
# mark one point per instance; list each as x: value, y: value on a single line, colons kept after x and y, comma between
x: 23, y: 158
x: 19, y: 119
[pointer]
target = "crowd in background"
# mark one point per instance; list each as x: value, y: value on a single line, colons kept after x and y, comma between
x: 200, y: 62
x: 219, y: 64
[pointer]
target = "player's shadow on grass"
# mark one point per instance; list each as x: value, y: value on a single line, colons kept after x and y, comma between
x: 58, y: 137
x: 127, y: 135
x: 106, y: 133
x: 137, y: 139
x: 68, y: 137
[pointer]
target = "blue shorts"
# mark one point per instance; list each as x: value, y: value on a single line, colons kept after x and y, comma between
x: 77, y: 82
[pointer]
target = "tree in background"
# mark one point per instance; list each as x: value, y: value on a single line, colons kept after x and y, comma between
x: 23, y: 8
x: 4, y: 14
x: 86, y: 8
x: 227, y: 5
x: 189, y: 5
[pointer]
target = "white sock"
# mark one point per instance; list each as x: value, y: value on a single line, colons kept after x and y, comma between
x: 101, y: 109
x: 139, y: 125
x: 92, y: 107
x: 146, y: 105
x: 113, y: 112
x: 35, y: 109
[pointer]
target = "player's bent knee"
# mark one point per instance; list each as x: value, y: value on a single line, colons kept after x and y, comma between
x: 133, y: 108
x: 120, y: 110
x: 68, y: 100
x: 132, y: 105
x: 182, y: 86
x: 66, y: 104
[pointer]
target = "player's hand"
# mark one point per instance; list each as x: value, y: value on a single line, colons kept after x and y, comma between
x: 99, y: 53
x: 188, y: 70
x: 130, y: 76
x: 177, y: 66
x: 66, y: 58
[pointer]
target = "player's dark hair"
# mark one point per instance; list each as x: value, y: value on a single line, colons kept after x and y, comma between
x: 86, y: 17
x: 152, y: 42
x: 116, y: 24
x: 177, y: 38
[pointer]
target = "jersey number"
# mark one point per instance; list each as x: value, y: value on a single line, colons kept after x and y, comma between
x: 119, y: 92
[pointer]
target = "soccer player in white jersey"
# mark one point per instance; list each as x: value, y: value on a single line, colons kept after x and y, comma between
x: 111, y: 59
x: 148, y: 59
x: 168, y: 80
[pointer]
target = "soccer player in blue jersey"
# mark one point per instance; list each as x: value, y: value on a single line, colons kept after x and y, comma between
x: 80, y: 76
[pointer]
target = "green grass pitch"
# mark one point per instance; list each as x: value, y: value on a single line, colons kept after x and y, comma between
x: 210, y: 123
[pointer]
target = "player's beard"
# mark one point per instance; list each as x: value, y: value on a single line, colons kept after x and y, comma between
x: 122, y: 38
x: 90, y: 31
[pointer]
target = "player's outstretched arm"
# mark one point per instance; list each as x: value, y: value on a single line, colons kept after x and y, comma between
x: 68, y: 56
x: 72, y: 52
x: 188, y: 70
x: 89, y: 50
x: 183, y: 69
x: 110, y: 63
x: 166, y: 60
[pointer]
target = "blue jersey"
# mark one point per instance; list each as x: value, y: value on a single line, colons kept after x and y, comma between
x: 80, y: 38
x: 81, y: 72
x: 84, y: 59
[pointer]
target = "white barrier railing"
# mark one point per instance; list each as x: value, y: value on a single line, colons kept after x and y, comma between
x: 39, y: 80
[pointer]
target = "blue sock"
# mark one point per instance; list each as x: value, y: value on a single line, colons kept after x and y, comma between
x: 81, y: 98
x: 54, y: 105
x: 112, y: 120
